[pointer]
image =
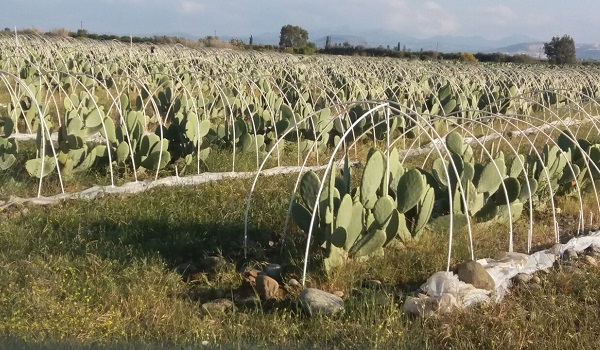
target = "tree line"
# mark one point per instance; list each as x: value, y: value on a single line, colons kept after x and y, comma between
x: 295, y: 39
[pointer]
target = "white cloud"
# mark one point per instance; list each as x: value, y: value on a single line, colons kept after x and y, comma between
x: 429, y: 18
x: 191, y: 6
x: 182, y: 6
x: 422, y: 18
x: 432, y: 6
x: 500, y: 14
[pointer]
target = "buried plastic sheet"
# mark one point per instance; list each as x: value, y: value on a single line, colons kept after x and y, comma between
x: 443, y: 291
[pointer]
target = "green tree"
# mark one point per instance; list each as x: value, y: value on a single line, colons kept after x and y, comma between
x: 467, y: 57
x: 81, y: 33
x: 561, y: 50
x: 293, y: 36
x: 308, y: 49
x: 236, y: 42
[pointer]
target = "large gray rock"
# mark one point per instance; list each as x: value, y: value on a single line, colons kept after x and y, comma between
x: 472, y: 272
x: 523, y: 278
x: 315, y: 301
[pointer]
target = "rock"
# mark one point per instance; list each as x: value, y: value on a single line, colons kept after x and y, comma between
x: 294, y: 283
x: 474, y: 273
x: 522, y: 278
x: 211, y: 263
x: 569, y: 254
x: 590, y: 260
x: 273, y: 270
x: 252, y: 272
x: 267, y: 287
x: 318, y: 302
x: 218, y: 307
x: 250, y: 275
x: 535, y: 280
x: 593, y: 250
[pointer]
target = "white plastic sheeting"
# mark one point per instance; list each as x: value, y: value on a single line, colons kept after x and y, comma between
x: 443, y: 291
x: 172, y: 181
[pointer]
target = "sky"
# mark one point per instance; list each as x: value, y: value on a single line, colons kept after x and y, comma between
x: 422, y: 19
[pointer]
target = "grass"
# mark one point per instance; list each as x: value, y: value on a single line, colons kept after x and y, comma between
x: 102, y: 274
x: 88, y: 274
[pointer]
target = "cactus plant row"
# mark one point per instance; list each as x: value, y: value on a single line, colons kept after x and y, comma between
x: 394, y: 205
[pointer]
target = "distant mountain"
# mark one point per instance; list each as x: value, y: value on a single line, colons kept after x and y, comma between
x: 512, y: 45
x: 533, y: 49
x: 444, y: 43
x: 470, y: 43
x: 175, y: 34
x: 514, y: 39
x: 588, y: 51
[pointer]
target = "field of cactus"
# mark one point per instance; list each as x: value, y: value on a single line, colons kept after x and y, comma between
x: 116, y: 107
x: 336, y: 168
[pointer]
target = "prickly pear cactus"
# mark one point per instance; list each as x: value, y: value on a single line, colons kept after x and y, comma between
x: 8, y: 145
